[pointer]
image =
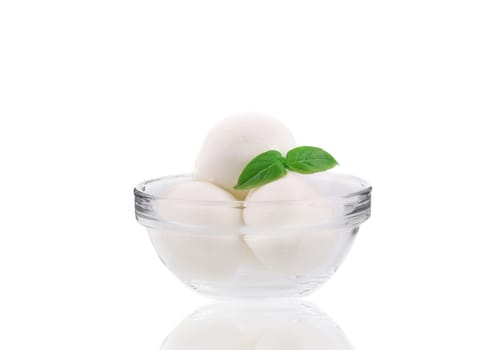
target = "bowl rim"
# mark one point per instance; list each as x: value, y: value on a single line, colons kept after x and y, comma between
x: 140, y: 192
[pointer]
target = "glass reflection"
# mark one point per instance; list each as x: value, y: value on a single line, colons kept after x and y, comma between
x: 247, y: 325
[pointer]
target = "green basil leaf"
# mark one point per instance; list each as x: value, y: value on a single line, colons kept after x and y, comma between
x: 308, y: 160
x: 264, y: 168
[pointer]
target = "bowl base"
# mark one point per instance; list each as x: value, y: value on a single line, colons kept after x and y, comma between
x: 291, y: 289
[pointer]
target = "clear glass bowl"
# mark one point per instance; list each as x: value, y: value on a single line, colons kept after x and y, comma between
x: 288, y: 256
x: 259, y: 325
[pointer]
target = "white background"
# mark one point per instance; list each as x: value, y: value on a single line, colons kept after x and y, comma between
x: 96, y: 96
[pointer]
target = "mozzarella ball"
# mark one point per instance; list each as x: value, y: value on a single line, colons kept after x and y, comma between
x: 288, y: 201
x: 233, y: 143
x: 201, y: 241
x: 188, y: 203
x: 293, y: 254
x: 291, y: 236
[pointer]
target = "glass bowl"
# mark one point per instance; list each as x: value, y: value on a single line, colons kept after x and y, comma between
x: 289, y: 255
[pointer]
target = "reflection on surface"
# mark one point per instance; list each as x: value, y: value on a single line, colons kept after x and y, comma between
x: 276, y: 325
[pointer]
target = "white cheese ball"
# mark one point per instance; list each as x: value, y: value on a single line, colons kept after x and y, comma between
x: 300, y: 204
x: 283, y: 237
x: 233, y: 143
x: 210, y: 252
x: 179, y: 205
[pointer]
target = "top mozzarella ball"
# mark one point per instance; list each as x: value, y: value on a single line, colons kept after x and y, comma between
x: 233, y: 143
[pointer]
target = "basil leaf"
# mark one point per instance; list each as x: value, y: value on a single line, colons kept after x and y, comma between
x: 308, y: 160
x: 265, y: 168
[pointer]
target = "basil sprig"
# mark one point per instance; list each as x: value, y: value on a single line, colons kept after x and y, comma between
x: 271, y: 165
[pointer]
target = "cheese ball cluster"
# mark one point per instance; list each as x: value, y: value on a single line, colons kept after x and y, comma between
x: 249, y: 231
